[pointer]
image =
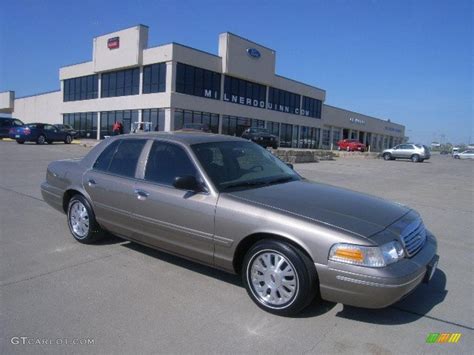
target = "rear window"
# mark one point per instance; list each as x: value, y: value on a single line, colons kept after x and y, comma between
x: 121, y: 157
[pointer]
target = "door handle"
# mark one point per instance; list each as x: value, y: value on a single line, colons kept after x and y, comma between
x: 91, y: 182
x: 141, y: 195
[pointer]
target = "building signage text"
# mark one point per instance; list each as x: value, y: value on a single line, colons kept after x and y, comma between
x: 357, y: 121
x: 259, y: 103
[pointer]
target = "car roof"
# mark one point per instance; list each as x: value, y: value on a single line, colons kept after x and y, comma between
x: 184, y: 137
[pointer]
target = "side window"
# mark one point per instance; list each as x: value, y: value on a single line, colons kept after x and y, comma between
x: 103, y: 161
x: 125, y: 159
x: 166, y: 162
x: 49, y: 128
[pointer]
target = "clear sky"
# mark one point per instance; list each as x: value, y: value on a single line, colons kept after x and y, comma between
x: 407, y: 60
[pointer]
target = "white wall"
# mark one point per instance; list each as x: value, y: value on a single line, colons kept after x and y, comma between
x: 44, y: 108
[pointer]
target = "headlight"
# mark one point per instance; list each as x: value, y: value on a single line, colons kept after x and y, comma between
x: 367, y: 256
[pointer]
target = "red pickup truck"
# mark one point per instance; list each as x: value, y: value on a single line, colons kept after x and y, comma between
x: 351, y: 145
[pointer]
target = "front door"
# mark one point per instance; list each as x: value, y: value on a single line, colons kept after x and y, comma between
x: 179, y: 221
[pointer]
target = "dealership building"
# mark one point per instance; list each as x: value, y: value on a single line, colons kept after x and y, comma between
x: 172, y: 84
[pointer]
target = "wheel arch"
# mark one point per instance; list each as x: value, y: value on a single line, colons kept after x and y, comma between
x: 246, y: 243
x: 69, y: 193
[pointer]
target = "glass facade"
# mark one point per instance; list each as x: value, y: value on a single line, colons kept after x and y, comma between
x: 198, y: 82
x: 244, y: 92
x: 336, y: 137
x: 157, y: 118
x: 311, y: 107
x: 286, y: 135
x: 309, y: 137
x: 326, y: 138
x: 108, y: 118
x: 182, y: 117
x: 120, y: 83
x: 154, y: 78
x: 235, y: 126
x: 274, y: 128
x: 283, y: 101
x: 85, y: 123
x: 82, y: 88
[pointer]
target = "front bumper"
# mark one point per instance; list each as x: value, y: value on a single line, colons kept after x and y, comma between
x: 376, y: 287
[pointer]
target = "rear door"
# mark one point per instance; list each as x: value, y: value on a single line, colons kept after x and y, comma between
x: 179, y: 221
x: 110, y: 184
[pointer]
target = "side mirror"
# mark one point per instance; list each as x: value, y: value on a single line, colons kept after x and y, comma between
x: 187, y: 182
x: 290, y: 166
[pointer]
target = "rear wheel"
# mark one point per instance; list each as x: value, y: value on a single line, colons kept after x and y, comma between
x: 41, y: 139
x: 278, y: 277
x: 68, y: 139
x: 415, y: 158
x: 20, y: 141
x: 81, y: 221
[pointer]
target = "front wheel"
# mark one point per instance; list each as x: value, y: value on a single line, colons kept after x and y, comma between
x: 68, y: 139
x: 278, y: 277
x: 81, y: 221
x: 387, y: 156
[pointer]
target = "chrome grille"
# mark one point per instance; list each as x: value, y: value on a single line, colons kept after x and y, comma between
x: 414, y: 237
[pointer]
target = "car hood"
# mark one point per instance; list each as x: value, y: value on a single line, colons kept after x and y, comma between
x: 343, y: 209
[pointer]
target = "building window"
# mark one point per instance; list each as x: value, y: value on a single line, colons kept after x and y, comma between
x: 309, y: 137
x: 244, y: 92
x: 311, y: 107
x: 286, y: 135
x: 198, y: 82
x: 108, y: 118
x: 336, y: 137
x: 326, y: 137
x: 235, y: 126
x: 182, y: 117
x: 154, y: 78
x: 82, y: 88
x: 85, y: 123
x: 274, y: 128
x: 120, y: 83
x: 284, y: 101
x: 157, y: 118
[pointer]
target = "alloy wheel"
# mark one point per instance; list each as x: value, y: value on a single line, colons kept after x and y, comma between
x: 79, y: 219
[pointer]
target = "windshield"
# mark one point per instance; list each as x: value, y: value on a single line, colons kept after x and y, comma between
x: 241, y: 165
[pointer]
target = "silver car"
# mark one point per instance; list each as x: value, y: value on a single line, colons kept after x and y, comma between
x: 230, y: 204
x: 467, y: 154
x: 415, y: 152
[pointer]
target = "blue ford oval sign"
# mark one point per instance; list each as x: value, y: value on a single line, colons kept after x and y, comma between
x: 253, y: 52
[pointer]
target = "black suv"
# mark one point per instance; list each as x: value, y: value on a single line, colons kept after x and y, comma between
x: 6, y: 123
x: 261, y: 136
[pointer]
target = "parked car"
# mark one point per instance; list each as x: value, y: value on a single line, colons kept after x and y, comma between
x: 40, y: 133
x: 7, y: 123
x: 231, y: 204
x: 415, y: 152
x: 67, y: 128
x: 467, y: 154
x: 261, y: 136
x: 351, y: 145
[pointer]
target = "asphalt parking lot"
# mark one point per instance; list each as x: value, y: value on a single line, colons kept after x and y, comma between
x: 119, y: 297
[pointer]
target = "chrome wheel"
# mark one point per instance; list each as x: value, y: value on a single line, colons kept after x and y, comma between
x: 41, y: 139
x: 273, y: 279
x: 68, y: 139
x: 79, y: 219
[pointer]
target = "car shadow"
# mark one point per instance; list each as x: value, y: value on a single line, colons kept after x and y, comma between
x: 184, y: 263
x: 414, y: 306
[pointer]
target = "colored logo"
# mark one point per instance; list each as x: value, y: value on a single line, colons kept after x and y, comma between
x: 113, y: 43
x: 253, y: 52
x: 441, y: 338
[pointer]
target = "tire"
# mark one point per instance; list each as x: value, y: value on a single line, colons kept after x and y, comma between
x: 81, y: 221
x: 387, y: 156
x: 422, y: 160
x: 457, y: 157
x: 301, y: 277
x: 275, y: 146
x: 415, y: 158
x: 41, y: 139
x: 68, y: 139
x: 20, y: 141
